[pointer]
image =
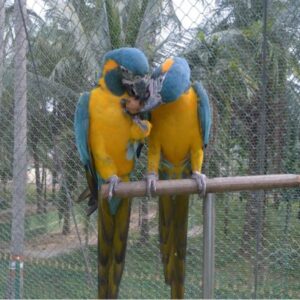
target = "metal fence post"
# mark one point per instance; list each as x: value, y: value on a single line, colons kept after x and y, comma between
x: 208, y: 246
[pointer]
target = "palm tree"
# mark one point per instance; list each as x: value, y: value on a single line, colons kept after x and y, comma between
x: 2, y: 18
x: 20, y: 151
x: 77, y: 44
x: 232, y: 49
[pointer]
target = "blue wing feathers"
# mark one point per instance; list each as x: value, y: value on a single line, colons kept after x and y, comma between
x: 81, y: 127
x: 204, y: 111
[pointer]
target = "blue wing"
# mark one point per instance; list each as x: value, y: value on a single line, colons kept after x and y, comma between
x: 81, y: 127
x: 204, y: 111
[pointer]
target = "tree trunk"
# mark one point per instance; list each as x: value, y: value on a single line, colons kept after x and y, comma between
x: 20, y: 130
x: 66, y: 216
x: 38, y: 183
x: 144, y: 230
x: 260, y: 164
x: 54, y: 166
x: 2, y: 24
x: 44, y: 189
x: 54, y: 182
x: 69, y: 182
x: 277, y: 145
x: 278, y: 139
x: 255, y: 201
x: 19, y: 153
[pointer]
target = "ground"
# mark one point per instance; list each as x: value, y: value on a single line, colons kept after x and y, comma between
x: 55, y: 243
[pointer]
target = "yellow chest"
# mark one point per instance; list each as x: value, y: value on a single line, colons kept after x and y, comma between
x: 109, y: 129
x: 106, y: 113
x: 176, y: 126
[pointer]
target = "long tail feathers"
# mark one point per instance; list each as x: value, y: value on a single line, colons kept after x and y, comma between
x: 91, y: 192
x: 165, y: 226
x: 173, y: 221
x: 105, y: 241
x: 112, y: 240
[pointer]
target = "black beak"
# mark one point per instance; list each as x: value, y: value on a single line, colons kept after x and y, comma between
x: 137, y: 88
x: 141, y: 89
x: 146, y: 90
x: 153, y: 96
x: 151, y: 103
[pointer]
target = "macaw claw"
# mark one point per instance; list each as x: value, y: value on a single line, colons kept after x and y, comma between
x: 113, y: 182
x: 201, y: 182
x: 151, y: 179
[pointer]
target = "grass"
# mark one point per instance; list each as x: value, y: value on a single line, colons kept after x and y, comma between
x: 64, y: 276
x: 143, y: 278
x: 35, y: 225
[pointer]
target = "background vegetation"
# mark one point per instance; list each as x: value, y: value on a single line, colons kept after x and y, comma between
x: 248, y: 60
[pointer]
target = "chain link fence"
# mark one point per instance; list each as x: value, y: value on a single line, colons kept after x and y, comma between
x: 247, y: 54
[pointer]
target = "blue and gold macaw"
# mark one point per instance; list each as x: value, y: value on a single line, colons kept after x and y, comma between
x: 181, y: 123
x: 104, y: 136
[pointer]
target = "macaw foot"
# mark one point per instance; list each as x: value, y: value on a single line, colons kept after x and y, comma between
x: 201, y: 182
x: 151, y: 179
x: 113, y: 182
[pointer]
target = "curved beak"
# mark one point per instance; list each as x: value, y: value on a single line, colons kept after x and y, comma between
x: 153, y: 96
x: 136, y: 88
x: 146, y: 90
x: 151, y: 103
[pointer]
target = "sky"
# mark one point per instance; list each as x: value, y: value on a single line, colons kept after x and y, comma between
x: 36, y: 5
x: 190, y: 12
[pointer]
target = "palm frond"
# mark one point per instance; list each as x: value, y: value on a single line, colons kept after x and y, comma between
x: 66, y: 11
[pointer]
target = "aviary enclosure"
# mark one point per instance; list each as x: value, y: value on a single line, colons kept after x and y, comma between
x: 245, y: 52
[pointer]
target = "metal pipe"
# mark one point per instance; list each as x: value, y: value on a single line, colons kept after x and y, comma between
x: 208, y: 247
x: 213, y: 185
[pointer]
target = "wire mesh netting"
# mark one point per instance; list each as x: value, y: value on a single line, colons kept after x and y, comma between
x: 245, y: 52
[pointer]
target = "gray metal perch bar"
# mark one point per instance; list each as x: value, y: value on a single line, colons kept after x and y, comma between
x: 213, y: 185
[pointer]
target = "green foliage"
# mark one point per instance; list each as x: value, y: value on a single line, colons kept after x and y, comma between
x: 143, y: 276
x: 230, y: 60
x: 135, y: 18
x: 68, y: 44
x: 114, y: 24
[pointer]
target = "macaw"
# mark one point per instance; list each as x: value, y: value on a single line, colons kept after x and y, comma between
x: 181, y: 120
x: 104, y: 135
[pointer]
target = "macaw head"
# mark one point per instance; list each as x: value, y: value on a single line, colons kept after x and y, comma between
x: 125, y: 69
x: 168, y: 82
